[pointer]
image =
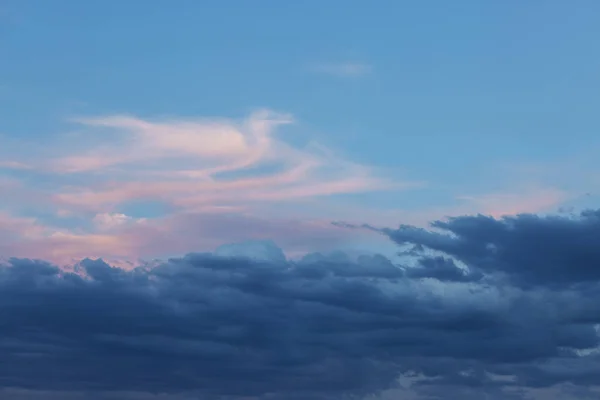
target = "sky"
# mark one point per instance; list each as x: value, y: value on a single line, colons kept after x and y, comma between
x: 406, y: 184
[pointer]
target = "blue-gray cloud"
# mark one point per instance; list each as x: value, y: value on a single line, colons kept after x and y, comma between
x: 529, y: 249
x: 516, y: 298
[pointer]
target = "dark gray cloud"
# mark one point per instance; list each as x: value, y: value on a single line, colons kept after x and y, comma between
x: 324, y: 327
x: 443, y: 269
x: 530, y: 249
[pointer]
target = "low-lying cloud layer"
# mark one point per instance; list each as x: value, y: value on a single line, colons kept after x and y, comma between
x: 492, y: 307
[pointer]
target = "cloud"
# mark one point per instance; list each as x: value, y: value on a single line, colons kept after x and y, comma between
x: 124, y: 238
x: 14, y: 165
x: 227, y: 144
x: 343, y: 70
x: 531, y: 200
x: 211, y: 178
x: 195, y: 163
x: 529, y: 249
x: 510, y: 308
x: 444, y: 269
x: 13, y: 229
x: 108, y: 221
x: 204, y: 170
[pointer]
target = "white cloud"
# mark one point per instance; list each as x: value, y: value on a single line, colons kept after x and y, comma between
x: 343, y: 69
x: 108, y: 221
x: 182, y: 163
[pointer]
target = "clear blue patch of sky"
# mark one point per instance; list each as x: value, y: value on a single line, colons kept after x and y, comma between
x: 145, y: 208
x: 454, y: 85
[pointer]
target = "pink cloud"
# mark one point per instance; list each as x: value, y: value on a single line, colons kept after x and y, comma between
x: 15, y: 165
x: 224, y: 179
x: 124, y: 238
x: 217, y: 145
x: 220, y: 177
x: 181, y: 162
x: 531, y: 200
x: 13, y: 229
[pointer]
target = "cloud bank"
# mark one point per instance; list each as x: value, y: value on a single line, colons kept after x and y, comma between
x: 501, y: 308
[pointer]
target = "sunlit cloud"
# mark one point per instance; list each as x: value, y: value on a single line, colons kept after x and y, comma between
x: 220, y: 172
x: 186, y: 162
x: 217, y: 180
x: 528, y: 201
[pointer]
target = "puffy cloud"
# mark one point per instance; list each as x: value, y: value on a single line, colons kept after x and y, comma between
x: 444, y: 269
x: 327, y: 326
x: 530, y: 249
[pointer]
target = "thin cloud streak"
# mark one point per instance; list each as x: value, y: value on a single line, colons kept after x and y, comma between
x: 528, y: 201
x: 217, y: 172
x: 343, y: 70
x: 182, y: 162
x: 200, y: 169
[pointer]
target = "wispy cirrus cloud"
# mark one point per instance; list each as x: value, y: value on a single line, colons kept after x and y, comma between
x: 205, y: 170
x: 206, y: 162
x: 530, y: 200
x: 342, y: 69
x: 14, y: 165
x: 215, y: 179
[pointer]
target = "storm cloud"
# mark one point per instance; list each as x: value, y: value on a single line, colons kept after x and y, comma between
x: 490, y: 306
x: 530, y: 249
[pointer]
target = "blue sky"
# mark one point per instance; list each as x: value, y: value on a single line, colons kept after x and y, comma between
x: 470, y: 106
x: 135, y: 131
